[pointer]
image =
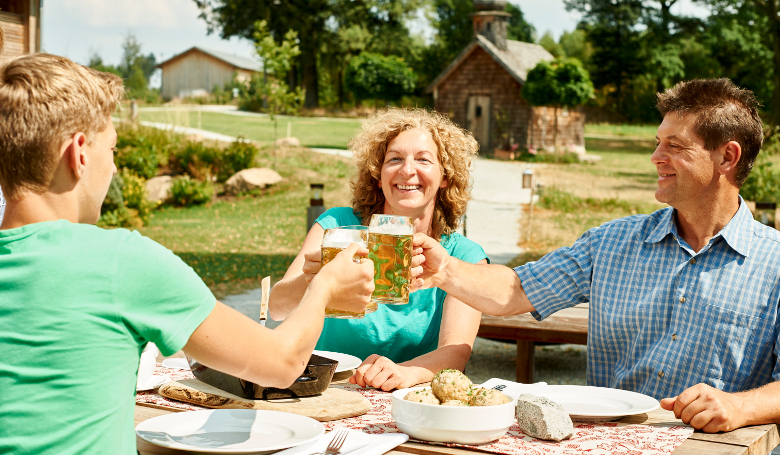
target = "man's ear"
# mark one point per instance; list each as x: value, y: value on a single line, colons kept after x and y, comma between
x: 73, y: 151
x: 729, y: 157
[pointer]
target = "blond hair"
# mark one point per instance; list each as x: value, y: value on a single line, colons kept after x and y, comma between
x: 44, y: 99
x: 456, y: 151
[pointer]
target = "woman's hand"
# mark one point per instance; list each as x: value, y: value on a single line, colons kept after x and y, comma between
x: 312, y: 264
x: 382, y: 373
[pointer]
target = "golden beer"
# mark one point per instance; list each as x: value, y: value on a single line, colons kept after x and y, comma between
x: 392, y: 256
x: 333, y: 242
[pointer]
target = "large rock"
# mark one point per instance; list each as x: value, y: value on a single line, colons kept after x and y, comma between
x: 252, y: 179
x: 158, y: 189
x: 288, y: 142
x: 542, y: 418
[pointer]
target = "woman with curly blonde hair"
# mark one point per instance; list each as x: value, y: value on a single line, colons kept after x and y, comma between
x: 414, y: 163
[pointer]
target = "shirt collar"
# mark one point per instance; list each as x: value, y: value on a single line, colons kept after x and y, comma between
x: 737, y: 233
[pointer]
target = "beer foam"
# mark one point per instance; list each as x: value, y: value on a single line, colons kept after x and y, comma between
x: 392, y: 229
x: 341, y: 239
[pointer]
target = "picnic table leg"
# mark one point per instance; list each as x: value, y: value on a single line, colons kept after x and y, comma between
x: 525, y: 361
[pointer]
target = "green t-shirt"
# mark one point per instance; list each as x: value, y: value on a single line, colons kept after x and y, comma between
x: 77, y: 306
x: 398, y: 332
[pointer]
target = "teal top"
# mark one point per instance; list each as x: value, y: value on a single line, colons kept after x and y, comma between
x: 398, y: 332
x: 78, y: 305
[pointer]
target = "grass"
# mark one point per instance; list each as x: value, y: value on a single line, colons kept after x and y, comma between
x: 577, y: 197
x: 234, y: 242
x: 609, y: 129
x: 312, y: 132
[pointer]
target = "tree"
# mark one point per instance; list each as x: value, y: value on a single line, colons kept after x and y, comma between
x: 374, y: 76
x: 561, y: 83
x: 611, y: 27
x: 548, y: 42
x: 517, y: 28
x: 576, y: 45
x: 761, y: 19
x: 313, y: 20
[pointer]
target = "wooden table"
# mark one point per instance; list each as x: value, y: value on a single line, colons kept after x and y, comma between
x: 566, y: 326
x: 757, y: 440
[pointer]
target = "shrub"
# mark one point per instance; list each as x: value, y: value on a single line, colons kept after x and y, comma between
x: 135, y: 196
x: 238, y: 156
x: 125, y: 204
x: 186, y: 191
x: 763, y: 182
x: 375, y: 76
x: 144, y: 150
x: 195, y: 159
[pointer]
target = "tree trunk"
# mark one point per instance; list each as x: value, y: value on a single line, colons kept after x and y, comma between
x: 309, y: 68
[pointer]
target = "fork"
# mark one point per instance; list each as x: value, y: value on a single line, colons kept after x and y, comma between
x: 335, y: 444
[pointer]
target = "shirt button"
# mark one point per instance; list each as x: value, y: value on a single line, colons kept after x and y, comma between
x: 674, y: 337
x: 660, y: 374
x: 682, y: 299
x: 692, y: 261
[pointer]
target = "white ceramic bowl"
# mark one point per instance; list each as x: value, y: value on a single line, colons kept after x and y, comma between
x: 462, y: 425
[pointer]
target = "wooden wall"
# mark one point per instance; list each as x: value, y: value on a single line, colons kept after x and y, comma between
x: 479, y: 74
x: 571, y: 129
x: 192, y: 71
x: 21, y: 23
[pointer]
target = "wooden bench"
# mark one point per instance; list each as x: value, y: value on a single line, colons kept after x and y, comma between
x: 566, y: 326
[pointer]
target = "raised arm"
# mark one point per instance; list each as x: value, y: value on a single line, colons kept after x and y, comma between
x: 231, y: 342
x: 459, y: 326
x: 489, y: 288
x: 288, y: 292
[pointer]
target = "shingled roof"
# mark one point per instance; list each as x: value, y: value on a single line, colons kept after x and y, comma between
x: 517, y: 59
x: 232, y: 60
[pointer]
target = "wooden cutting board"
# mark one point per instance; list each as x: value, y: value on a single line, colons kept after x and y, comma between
x: 333, y: 404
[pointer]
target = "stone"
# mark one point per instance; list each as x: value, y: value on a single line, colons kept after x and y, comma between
x: 252, y: 179
x: 288, y: 142
x: 158, y: 189
x: 542, y: 418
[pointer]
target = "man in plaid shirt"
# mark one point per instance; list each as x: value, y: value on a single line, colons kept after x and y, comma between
x: 684, y: 301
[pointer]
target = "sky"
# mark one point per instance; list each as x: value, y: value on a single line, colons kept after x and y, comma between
x: 78, y: 29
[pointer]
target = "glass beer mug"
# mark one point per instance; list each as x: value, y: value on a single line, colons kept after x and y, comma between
x: 335, y: 240
x: 390, y: 247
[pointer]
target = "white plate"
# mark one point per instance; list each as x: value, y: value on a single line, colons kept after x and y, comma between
x: 595, y: 403
x: 154, y: 382
x: 346, y: 361
x: 230, y: 430
x: 177, y: 363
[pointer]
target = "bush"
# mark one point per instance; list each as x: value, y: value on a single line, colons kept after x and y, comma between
x: 763, y: 182
x: 125, y: 204
x: 195, y: 159
x: 238, y: 156
x: 375, y: 76
x: 544, y: 157
x: 186, y: 191
x: 144, y: 150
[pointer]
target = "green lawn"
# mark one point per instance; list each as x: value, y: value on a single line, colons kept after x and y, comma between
x: 312, y: 132
x: 233, y: 242
x: 608, y: 129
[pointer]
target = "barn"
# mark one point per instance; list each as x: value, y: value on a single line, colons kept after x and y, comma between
x: 21, y: 23
x: 196, y: 71
x: 480, y: 90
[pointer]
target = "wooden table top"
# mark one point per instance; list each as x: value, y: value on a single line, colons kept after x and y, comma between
x: 565, y: 326
x: 756, y: 440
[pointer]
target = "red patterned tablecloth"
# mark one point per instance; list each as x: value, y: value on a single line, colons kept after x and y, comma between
x: 593, y: 438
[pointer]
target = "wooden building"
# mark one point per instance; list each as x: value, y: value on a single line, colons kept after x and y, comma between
x: 481, y: 89
x: 21, y: 23
x: 197, y: 71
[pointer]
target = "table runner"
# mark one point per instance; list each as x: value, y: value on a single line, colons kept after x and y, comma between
x: 594, y: 438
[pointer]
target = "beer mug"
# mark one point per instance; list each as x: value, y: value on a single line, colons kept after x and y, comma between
x: 390, y: 247
x: 335, y: 240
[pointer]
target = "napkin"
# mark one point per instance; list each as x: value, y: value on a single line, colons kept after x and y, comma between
x: 357, y: 443
x: 511, y: 389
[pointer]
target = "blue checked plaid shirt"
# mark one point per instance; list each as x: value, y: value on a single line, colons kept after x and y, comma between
x: 663, y: 318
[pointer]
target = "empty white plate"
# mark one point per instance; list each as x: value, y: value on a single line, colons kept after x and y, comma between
x: 595, y: 403
x: 346, y: 361
x: 178, y: 363
x: 230, y: 430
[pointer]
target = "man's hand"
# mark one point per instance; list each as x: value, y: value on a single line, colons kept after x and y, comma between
x: 706, y: 408
x: 429, y: 260
x: 312, y: 264
x: 350, y: 284
x: 382, y: 373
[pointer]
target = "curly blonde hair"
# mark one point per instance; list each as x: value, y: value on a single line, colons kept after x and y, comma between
x: 457, y: 149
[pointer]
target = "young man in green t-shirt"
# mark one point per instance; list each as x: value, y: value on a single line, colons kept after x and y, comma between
x: 79, y: 303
